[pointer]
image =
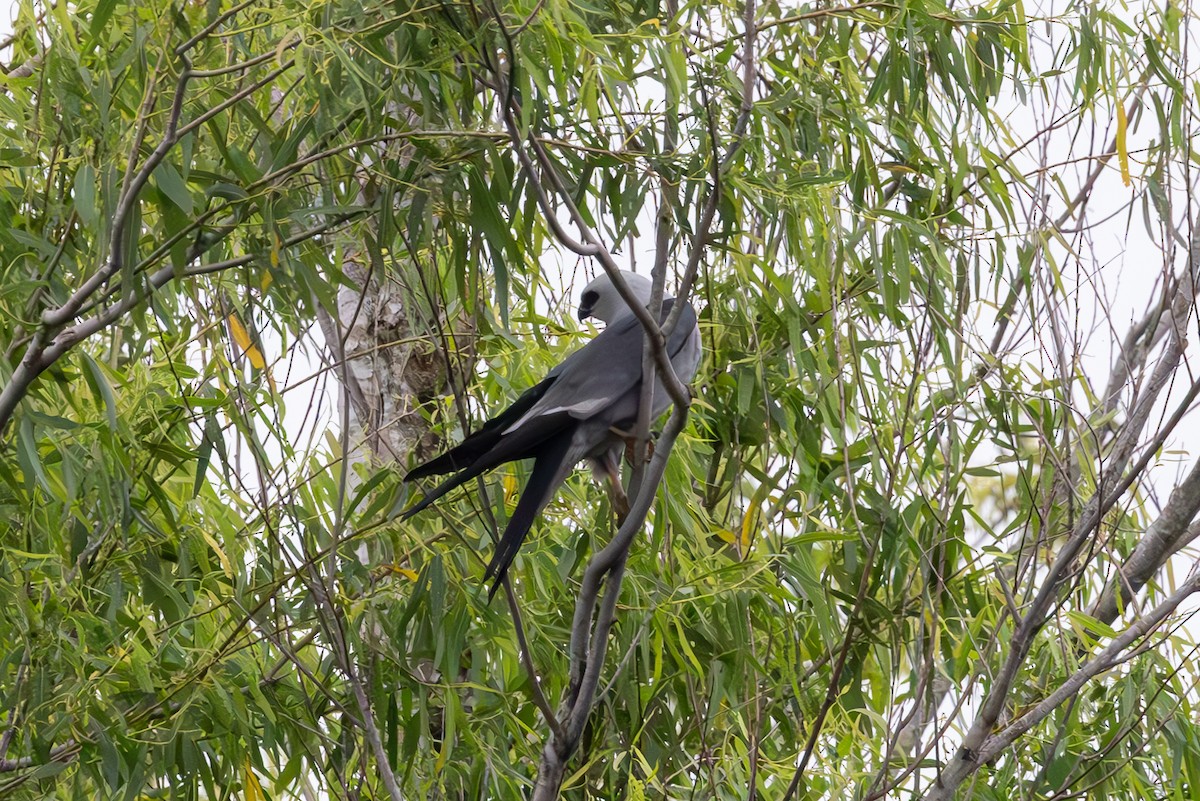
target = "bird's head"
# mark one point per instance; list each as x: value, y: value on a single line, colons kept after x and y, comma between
x: 601, y: 300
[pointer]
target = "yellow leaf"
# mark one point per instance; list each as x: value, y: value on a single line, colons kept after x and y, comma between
x: 393, y: 569
x: 220, y: 552
x: 749, y: 524
x: 242, y: 337
x: 251, y: 789
x: 1122, y: 147
x: 510, y: 491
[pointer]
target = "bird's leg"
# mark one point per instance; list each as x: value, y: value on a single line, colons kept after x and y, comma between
x: 630, y: 438
x: 610, y: 466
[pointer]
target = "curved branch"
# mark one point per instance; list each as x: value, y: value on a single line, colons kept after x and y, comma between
x: 948, y: 783
x: 41, y: 354
x: 589, y: 644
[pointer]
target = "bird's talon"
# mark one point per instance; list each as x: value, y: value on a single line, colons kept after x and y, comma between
x: 631, y: 450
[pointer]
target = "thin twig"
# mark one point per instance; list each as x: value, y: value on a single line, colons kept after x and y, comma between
x: 40, y: 355
x: 535, y: 685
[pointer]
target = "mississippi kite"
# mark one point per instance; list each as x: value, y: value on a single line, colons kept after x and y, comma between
x: 585, y: 408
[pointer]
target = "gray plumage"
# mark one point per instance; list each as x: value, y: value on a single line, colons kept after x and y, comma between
x: 578, y: 411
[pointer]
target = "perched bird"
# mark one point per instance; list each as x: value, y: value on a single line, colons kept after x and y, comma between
x: 585, y: 408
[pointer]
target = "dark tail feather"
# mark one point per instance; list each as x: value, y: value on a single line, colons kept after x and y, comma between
x: 448, y: 462
x: 444, y: 487
x: 549, y: 471
x: 482, y: 441
x: 539, y: 436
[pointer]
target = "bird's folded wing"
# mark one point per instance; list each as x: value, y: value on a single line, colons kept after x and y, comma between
x: 598, y: 375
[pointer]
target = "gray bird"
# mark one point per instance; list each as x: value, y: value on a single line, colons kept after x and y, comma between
x: 585, y: 408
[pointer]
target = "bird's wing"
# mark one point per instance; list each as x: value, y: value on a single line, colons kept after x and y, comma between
x: 684, y: 345
x: 505, y: 448
x: 598, y: 375
x: 684, y: 349
x: 485, y: 438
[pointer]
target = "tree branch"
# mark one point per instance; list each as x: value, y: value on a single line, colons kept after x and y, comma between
x: 587, y: 649
x: 989, y: 748
x: 1109, y: 489
x: 40, y: 355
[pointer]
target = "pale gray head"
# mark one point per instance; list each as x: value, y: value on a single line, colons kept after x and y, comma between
x: 601, y: 300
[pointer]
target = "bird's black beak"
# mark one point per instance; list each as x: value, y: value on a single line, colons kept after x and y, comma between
x: 587, y: 304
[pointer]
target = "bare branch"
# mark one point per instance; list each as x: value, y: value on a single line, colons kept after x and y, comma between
x: 59, y: 753
x: 1109, y: 490
x: 535, y: 684
x: 53, y: 318
x: 1103, y: 661
x: 207, y: 30
x: 39, y: 355
x: 586, y: 655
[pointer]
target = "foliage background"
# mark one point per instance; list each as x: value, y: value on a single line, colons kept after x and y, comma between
x: 885, y: 557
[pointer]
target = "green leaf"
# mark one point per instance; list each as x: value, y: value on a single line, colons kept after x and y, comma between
x: 100, y: 388
x: 485, y: 214
x: 171, y: 184
x: 85, y: 195
x: 28, y: 456
x: 101, y: 16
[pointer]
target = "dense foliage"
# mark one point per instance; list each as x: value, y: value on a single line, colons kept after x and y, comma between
x: 886, y: 545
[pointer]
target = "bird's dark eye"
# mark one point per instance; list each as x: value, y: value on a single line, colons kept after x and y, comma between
x: 589, y: 298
